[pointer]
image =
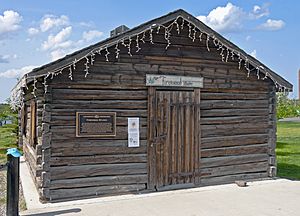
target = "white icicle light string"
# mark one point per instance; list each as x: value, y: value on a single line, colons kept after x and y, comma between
x: 140, y: 36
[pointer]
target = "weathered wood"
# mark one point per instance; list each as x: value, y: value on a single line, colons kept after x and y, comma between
x: 235, y: 169
x: 232, y: 160
x: 233, y: 178
x: 224, y: 134
x: 66, y: 172
x: 237, y: 150
x: 97, y: 159
x: 238, y: 140
x: 98, y: 181
x: 60, y: 194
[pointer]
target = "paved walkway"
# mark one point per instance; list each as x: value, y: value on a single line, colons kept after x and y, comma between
x: 268, y: 198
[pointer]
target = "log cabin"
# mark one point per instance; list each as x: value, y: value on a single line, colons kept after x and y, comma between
x: 168, y: 104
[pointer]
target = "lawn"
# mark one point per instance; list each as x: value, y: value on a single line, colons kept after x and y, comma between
x: 8, y: 139
x: 288, y: 150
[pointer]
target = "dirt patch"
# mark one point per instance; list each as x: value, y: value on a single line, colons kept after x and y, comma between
x: 22, y: 204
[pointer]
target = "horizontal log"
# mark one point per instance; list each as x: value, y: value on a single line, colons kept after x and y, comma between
x: 236, y: 150
x: 90, y: 143
x: 233, y: 129
x: 233, y: 160
x: 233, y: 96
x: 98, y: 159
x: 234, y: 119
x: 233, y: 178
x: 102, y: 104
x: 85, y: 151
x: 233, y: 112
x: 238, y: 140
x: 60, y: 194
x: 107, y: 94
x: 233, y: 104
x: 235, y: 169
x: 120, y: 112
x: 82, y: 171
x: 98, y: 181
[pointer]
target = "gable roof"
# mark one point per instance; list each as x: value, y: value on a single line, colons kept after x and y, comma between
x: 68, y: 60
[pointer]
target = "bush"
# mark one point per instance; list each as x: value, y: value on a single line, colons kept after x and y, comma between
x: 287, y: 107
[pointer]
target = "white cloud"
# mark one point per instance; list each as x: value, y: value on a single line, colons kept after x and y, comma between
x: 91, y: 35
x: 57, y: 54
x: 33, y: 31
x: 7, y: 58
x: 50, y: 21
x: 16, y: 73
x: 259, y: 11
x: 4, y: 58
x: 248, y: 37
x: 87, y: 24
x: 253, y: 53
x: 272, y: 25
x: 9, y: 21
x: 58, y: 40
x: 224, y: 19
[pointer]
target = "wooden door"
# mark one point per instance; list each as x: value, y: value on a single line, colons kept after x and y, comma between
x: 174, y: 137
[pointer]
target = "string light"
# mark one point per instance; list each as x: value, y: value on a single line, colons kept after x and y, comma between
x: 232, y: 55
x: 190, y: 31
x: 240, y: 60
x: 227, y: 54
x: 200, y: 36
x: 257, y: 72
x: 45, y: 82
x: 177, y: 27
x: 151, y: 36
x: 167, y: 38
x: 86, y: 67
x: 17, y: 93
x: 117, y: 50
x: 182, y: 24
x: 137, y: 44
x: 222, y: 54
x: 158, y: 29
x: 106, y: 54
x: 266, y: 76
x: 207, y: 40
x: 34, y: 87
x: 194, y: 34
x: 70, y: 73
x: 143, y: 37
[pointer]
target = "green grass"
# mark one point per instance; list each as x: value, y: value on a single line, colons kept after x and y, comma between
x: 8, y: 139
x: 288, y: 150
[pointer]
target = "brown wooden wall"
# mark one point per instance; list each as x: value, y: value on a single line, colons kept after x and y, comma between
x: 237, y: 120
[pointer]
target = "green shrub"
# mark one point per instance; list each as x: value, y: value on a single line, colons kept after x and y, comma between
x: 287, y: 107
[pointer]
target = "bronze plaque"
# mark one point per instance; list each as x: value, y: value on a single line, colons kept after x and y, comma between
x: 95, y: 124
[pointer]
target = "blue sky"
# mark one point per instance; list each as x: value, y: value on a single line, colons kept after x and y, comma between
x: 33, y: 33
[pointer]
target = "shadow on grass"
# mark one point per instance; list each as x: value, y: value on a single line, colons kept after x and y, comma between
x: 289, y: 171
x: 281, y: 145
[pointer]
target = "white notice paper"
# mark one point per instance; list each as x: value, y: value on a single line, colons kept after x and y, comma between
x: 133, y: 132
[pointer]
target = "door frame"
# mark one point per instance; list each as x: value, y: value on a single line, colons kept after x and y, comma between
x: 151, y: 157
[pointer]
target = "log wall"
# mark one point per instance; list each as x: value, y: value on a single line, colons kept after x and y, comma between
x: 237, y: 120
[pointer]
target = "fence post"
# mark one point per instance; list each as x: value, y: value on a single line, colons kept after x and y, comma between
x: 12, y: 197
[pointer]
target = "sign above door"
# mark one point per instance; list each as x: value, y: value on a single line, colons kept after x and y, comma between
x: 174, y: 81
